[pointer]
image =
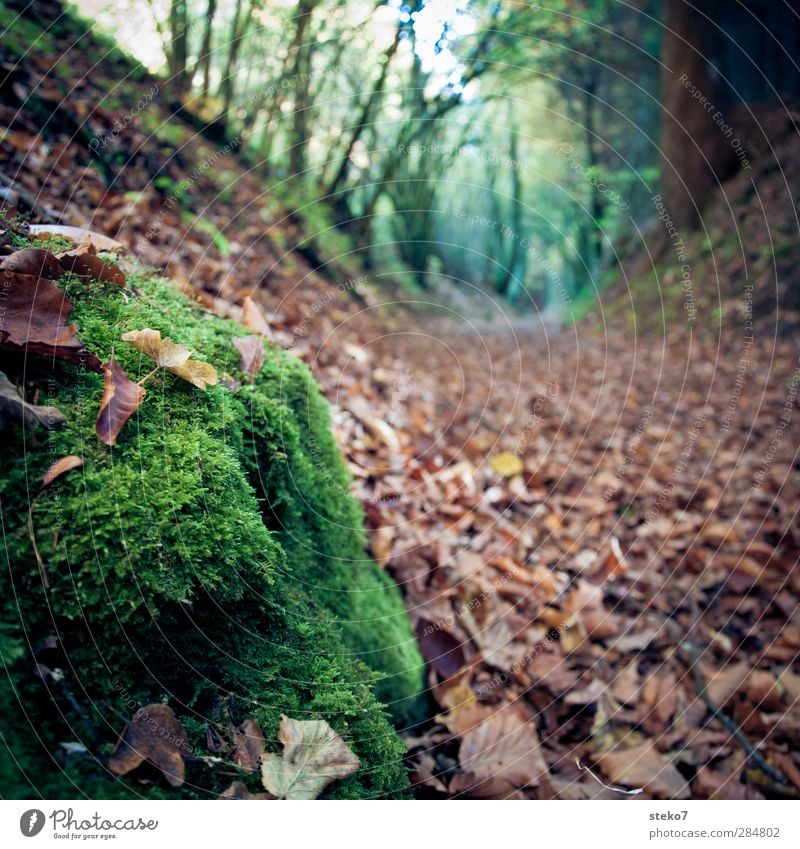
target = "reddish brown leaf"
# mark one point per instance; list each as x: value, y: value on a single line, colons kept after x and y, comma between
x: 248, y: 746
x: 85, y: 264
x: 37, y: 320
x: 439, y: 647
x: 155, y: 735
x: 644, y: 766
x: 62, y: 465
x: 251, y: 350
x: 35, y: 261
x: 121, y: 398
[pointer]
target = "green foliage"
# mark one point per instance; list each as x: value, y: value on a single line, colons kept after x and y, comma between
x: 213, y: 558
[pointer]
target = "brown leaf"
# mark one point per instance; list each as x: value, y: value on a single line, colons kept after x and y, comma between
x: 251, y: 349
x: 644, y: 766
x: 62, y: 465
x: 85, y: 265
x: 253, y: 318
x: 504, y: 746
x: 173, y: 357
x: 14, y: 409
x: 37, y: 320
x: 314, y: 755
x: 35, y: 261
x: 248, y: 746
x: 155, y: 735
x: 441, y: 649
x: 121, y: 398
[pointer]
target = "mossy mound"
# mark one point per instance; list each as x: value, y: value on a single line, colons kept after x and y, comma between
x: 214, y: 559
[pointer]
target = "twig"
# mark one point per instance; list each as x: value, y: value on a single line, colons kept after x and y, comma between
x: 691, y: 655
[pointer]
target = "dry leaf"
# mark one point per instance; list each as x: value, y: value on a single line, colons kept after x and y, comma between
x: 507, y: 464
x: 248, y: 746
x: 84, y: 264
x: 238, y: 790
x: 313, y: 756
x: 644, y: 766
x: 14, y: 409
x: 155, y: 735
x: 173, y: 357
x: 35, y: 261
x: 251, y: 349
x: 121, y: 398
x: 253, y: 318
x: 76, y: 235
x: 62, y: 465
x: 504, y: 746
x: 37, y: 320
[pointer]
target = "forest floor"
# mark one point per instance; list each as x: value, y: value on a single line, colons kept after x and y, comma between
x: 595, y: 531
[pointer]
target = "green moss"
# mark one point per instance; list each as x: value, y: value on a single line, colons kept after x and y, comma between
x: 214, y: 559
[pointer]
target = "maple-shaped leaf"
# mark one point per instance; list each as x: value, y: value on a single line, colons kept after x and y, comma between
x: 121, y: 398
x: 155, y: 735
x: 313, y: 756
x: 173, y: 357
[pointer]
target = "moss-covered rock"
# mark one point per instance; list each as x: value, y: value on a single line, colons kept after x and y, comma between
x: 213, y: 559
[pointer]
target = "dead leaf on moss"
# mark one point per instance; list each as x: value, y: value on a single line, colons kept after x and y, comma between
x: 14, y: 409
x: 155, y: 735
x: 62, y: 465
x: 238, y: 791
x: 313, y: 756
x: 173, y: 357
x: 251, y: 349
x: 37, y: 320
x: 253, y: 318
x: 35, y: 261
x: 84, y: 263
x: 76, y: 235
x: 121, y: 399
x: 248, y: 746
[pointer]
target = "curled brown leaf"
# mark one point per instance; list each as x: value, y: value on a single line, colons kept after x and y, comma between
x: 121, y: 398
x: 251, y: 350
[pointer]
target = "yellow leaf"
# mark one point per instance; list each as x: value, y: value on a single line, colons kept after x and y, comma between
x: 507, y: 464
x: 313, y: 756
x: 173, y: 357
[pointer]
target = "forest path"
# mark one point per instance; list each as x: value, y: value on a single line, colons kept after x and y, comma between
x: 560, y: 510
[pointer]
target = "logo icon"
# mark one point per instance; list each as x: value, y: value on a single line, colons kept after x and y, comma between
x: 31, y: 822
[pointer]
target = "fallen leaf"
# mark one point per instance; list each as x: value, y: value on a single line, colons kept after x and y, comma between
x: 504, y: 746
x: 441, y: 649
x: 84, y: 264
x: 248, y: 746
x: 37, y: 320
x: 77, y: 235
x: 313, y: 756
x: 155, y: 735
x: 173, y: 357
x: 507, y: 464
x: 253, y: 318
x: 62, y: 465
x: 644, y: 766
x: 35, y: 261
x: 15, y: 410
x: 251, y: 349
x: 121, y: 398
